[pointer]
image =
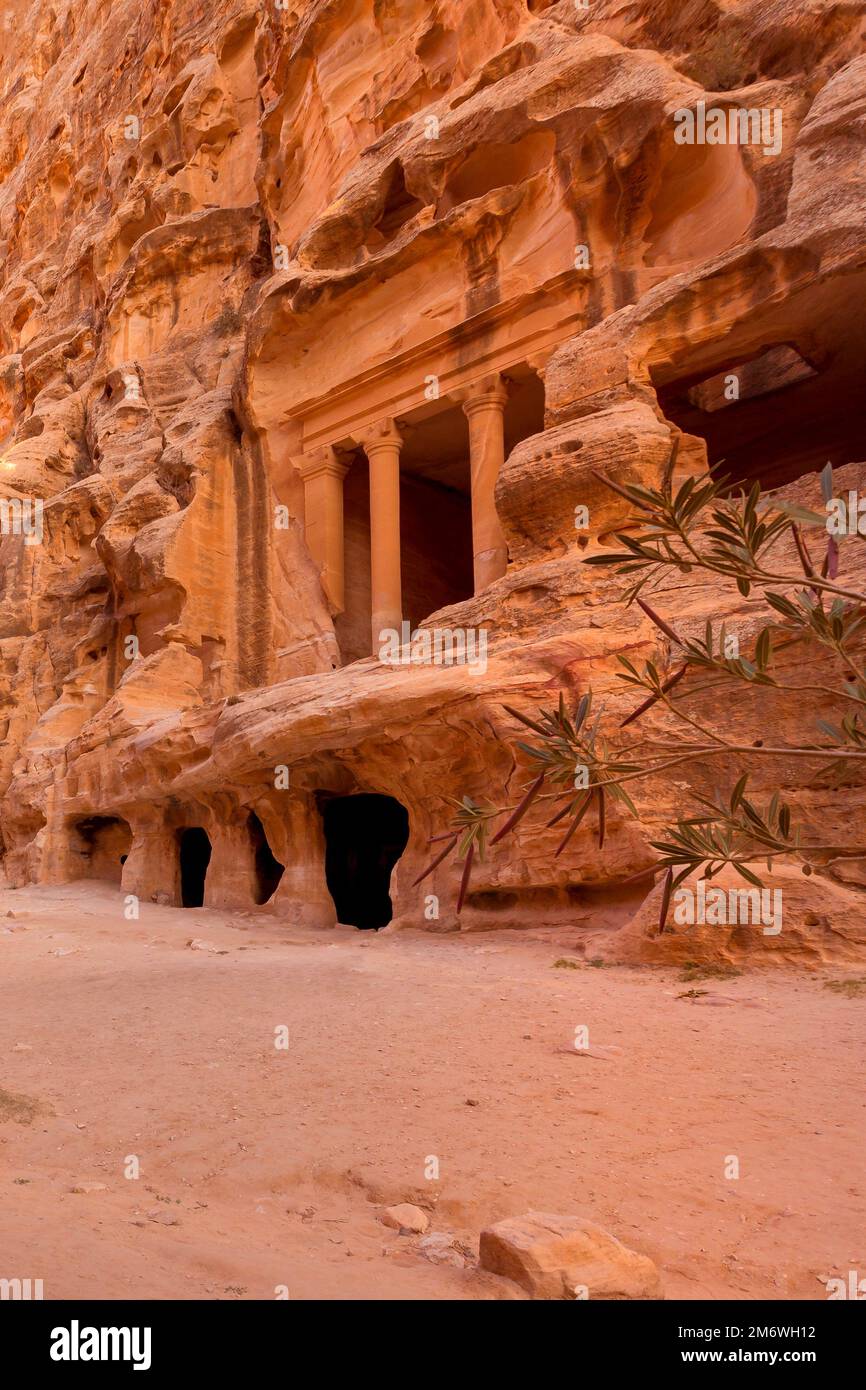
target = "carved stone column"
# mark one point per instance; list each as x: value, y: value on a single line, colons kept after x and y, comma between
x: 323, y: 473
x: 484, y: 407
x: 382, y: 446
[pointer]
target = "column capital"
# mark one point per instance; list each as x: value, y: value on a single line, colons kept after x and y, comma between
x: 488, y: 392
x: 323, y: 462
x: 384, y: 434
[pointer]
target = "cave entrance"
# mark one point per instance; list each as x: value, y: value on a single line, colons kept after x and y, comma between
x: 364, y: 837
x: 100, y: 845
x: 195, y: 851
x: 267, y: 870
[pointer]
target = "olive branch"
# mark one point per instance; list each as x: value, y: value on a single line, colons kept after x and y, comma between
x: 580, y: 763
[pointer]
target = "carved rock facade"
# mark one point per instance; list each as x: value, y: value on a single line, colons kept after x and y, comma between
x: 318, y: 321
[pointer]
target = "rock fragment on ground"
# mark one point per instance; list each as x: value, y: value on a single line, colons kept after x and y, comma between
x: 406, y: 1217
x: 566, y: 1257
x: 441, y: 1248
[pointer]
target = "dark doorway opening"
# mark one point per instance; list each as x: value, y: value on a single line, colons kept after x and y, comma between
x: 524, y: 413
x: 195, y: 852
x: 268, y: 870
x: 364, y: 837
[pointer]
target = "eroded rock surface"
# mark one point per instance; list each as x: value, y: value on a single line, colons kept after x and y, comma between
x: 251, y: 257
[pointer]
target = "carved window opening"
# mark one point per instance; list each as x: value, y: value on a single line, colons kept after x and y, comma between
x: 775, y: 416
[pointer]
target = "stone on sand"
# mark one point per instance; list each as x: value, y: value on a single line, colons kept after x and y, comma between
x: 559, y: 1256
x: 406, y: 1217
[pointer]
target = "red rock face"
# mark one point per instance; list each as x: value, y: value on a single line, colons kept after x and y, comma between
x: 322, y: 319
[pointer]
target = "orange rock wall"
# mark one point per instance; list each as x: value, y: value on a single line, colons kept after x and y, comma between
x: 233, y: 233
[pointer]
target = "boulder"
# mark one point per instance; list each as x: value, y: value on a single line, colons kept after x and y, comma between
x: 566, y: 1257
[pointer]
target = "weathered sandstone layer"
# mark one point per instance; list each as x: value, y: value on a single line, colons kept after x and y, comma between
x: 319, y: 319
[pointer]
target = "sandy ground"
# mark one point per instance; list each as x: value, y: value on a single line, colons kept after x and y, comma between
x: 262, y: 1167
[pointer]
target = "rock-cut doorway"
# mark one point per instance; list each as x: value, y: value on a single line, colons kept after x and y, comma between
x: 364, y: 837
x: 195, y: 851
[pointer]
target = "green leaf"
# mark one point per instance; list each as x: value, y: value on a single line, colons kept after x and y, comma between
x: 804, y: 515
x: 683, y: 874
x: 466, y: 840
x: 827, y: 482
x: 622, y: 795
x: 583, y: 709
x: 782, y: 605
x: 737, y: 793
x: 524, y: 719
x: 746, y: 873
x: 830, y: 730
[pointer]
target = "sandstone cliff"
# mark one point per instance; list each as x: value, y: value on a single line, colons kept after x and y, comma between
x: 260, y: 266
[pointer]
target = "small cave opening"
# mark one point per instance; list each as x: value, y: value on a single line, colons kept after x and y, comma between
x: 705, y: 202
x: 100, y: 844
x: 365, y: 835
x: 399, y: 207
x: 194, y: 848
x: 494, y: 164
x: 267, y: 869
x: 778, y: 414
